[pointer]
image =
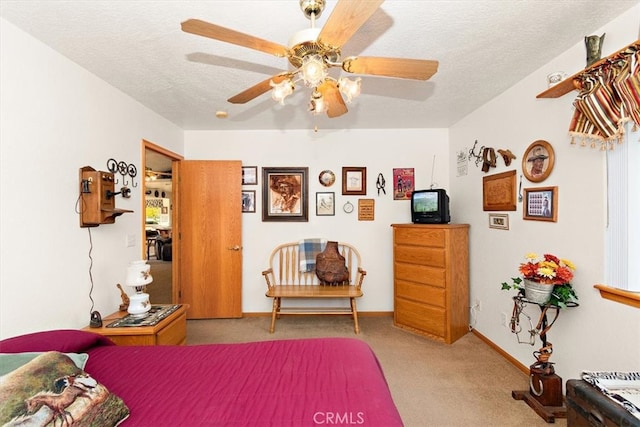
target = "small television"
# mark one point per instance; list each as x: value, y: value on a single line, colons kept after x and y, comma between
x: 430, y: 206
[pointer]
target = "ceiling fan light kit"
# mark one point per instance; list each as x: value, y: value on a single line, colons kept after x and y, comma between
x: 312, y: 52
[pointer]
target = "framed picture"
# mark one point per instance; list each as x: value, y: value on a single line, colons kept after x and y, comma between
x: 403, y: 183
x: 249, y: 175
x: 285, y: 194
x: 499, y: 221
x: 325, y: 204
x: 354, y: 181
x: 248, y: 201
x: 541, y: 204
x: 499, y: 192
x: 538, y: 160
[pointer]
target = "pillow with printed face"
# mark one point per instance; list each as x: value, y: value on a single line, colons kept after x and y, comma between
x: 51, y: 389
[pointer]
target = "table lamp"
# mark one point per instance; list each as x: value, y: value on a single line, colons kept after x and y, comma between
x: 138, y: 277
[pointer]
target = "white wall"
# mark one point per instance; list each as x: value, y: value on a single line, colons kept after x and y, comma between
x: 378, y: 150
x: 599, y: 334
x: 57, y: 117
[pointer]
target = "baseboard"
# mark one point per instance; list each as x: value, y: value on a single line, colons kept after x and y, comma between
x: 360, y: 314
x: 495, y: 347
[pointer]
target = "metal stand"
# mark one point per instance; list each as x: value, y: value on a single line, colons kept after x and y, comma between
x: 545, y: 387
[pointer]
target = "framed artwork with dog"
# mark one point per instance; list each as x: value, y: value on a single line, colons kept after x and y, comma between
x: 538, y: 160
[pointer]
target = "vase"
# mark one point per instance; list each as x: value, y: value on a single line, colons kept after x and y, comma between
x: 539, y: 293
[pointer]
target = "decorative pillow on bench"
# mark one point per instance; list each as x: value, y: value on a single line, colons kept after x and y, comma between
x: 52, y: 389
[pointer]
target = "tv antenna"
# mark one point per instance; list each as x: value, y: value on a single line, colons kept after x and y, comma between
x: 433, y: 167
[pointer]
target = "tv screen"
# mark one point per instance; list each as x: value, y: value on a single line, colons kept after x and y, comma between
x: 425, y: 202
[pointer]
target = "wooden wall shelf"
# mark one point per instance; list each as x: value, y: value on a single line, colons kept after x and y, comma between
x: 568, y: 84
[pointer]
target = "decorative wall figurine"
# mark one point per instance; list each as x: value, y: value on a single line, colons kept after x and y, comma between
x: 593, y: 44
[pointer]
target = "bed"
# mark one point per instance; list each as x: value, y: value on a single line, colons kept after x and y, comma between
x: 322, y: 381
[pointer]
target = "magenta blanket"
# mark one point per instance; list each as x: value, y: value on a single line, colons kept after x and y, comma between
x: 331, y: 381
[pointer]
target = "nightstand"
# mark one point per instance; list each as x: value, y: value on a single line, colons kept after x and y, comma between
x: 172, y: 330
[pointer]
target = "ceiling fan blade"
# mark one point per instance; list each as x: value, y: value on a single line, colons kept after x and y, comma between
x: 347, y: 17
x: 257, y: 90
x: 418, y: 69
x: 206, y: 29
x: 331, y: 94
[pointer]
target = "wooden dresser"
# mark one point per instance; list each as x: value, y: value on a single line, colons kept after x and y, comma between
x: 171, y: 330
x: 431, y: 279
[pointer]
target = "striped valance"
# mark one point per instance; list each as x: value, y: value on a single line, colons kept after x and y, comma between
x: 609, y: 96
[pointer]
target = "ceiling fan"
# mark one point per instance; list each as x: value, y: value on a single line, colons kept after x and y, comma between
x: 313, y: 51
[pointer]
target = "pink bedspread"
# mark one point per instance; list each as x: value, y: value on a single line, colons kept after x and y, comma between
x: 327, y: 382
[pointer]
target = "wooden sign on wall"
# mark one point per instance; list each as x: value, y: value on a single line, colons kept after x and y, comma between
x: 366, y: 209
x: 499, y: 192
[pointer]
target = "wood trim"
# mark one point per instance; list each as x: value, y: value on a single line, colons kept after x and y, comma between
x: 619, y: 295
x: 510, y: 359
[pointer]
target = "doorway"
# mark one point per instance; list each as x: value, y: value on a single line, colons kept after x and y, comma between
x: 160, y: 221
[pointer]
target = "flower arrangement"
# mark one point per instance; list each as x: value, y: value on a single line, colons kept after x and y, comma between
x: 550, y: 270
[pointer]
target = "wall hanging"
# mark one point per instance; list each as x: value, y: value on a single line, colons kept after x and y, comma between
x: 499, y: 192
x: 541, y: 204
x: 538, y: 161
x: 354, y: 181
x: 285, y: 194
x: 403, y: 183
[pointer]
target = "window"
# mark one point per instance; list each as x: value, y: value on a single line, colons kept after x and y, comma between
x: 622, y: 238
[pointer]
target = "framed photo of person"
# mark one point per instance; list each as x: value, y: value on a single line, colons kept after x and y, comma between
x: 249, y: 175
x: 541, y: 204
x: 249, y: 201
x: 538, y: 160
x: 354, y: 181
x: 325, y: 204
x: 285, y: 194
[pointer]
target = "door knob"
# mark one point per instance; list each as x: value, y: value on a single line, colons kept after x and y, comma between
x: 235, y: 248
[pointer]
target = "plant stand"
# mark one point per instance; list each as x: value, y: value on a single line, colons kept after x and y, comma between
x: 547, y: 413
x: 545, y: 387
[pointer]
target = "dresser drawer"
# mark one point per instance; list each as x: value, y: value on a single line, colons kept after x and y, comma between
x: 420, y: 274
x: 434, y: 257
x: 420, y: 293
x: 420, y: 316
x: 174, y: 333
x: 419, y: 237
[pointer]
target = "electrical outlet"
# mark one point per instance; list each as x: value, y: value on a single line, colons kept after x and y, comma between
x: 131, y: 240
x: 504, y: 319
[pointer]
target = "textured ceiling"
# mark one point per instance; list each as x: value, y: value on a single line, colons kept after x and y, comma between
x: 483, y: 47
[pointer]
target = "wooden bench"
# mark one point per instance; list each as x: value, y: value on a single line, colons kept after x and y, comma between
x: 284, y: 280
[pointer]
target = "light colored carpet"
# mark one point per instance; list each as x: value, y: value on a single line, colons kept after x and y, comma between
x: 433, y: 384
x: 160, y: 289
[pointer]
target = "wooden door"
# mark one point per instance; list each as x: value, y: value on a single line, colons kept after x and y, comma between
x: 211, y: 238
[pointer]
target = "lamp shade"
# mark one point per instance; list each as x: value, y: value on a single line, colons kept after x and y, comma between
x: 138, y: 273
